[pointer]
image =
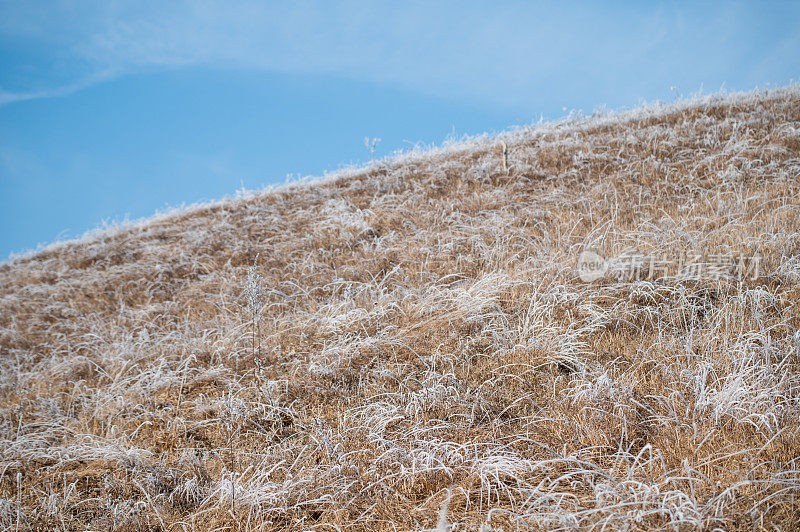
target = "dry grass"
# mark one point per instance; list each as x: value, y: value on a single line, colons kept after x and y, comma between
x: 414, y: 340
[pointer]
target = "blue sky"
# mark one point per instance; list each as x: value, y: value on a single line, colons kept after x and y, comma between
x: 118, y: 109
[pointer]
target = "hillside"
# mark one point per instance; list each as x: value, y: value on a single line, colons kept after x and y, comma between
x: 416, y: 343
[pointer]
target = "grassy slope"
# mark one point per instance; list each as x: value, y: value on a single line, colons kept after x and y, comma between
x: 424, y: 333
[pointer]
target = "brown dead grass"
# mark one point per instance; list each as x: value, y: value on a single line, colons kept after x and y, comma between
x: 424, y: 334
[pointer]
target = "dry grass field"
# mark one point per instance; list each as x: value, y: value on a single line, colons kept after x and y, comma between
x: 410, y: 345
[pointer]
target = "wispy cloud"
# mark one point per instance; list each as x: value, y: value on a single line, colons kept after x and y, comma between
x: 503, y: 54
x: 7, y: 97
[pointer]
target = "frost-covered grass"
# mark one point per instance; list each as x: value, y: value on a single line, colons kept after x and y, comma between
x: 409, y: 345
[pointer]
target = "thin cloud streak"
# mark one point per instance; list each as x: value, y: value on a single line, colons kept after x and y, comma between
x: 503, y: 55
x: 99, y: 77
